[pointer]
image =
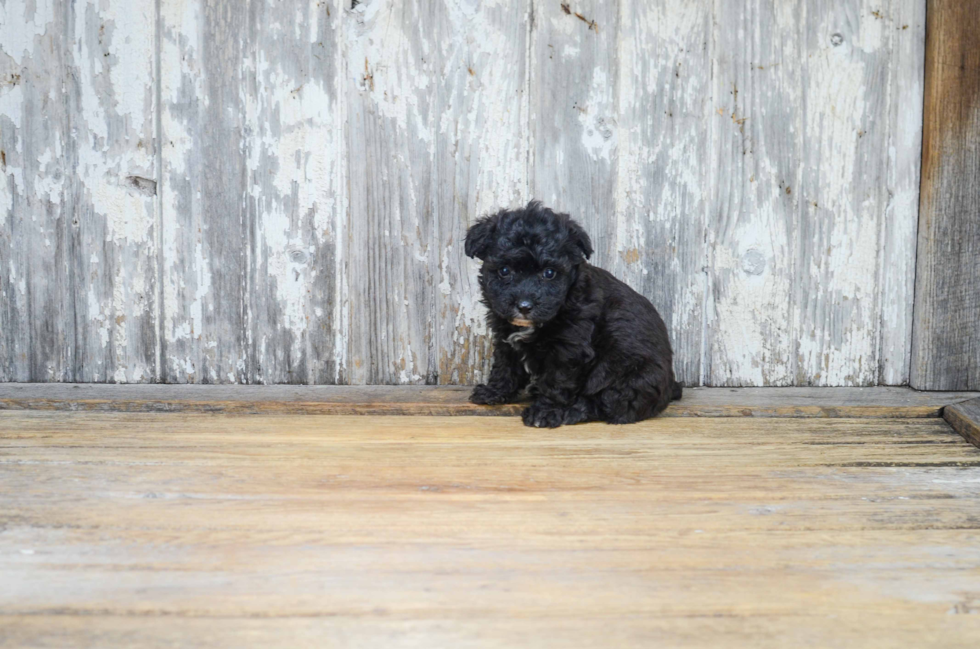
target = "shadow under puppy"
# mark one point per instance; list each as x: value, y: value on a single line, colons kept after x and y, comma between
x: 586, y: 345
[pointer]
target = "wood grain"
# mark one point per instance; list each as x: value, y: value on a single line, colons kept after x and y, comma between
x: 453, y: 400
x: 295, y: 206
x: 964, y: 417
x: 114, y: 263
x: 253, y: 208
x: 897, y: 248
x: 755, y: 122
x: 890, y: 630
x: 204, y: 231
x: 798, y: 215
x: 574, y: 117
x: 945, y: 344
x: 395, y: 531
x: 841, y: 196
x: 37, y: 228
x: 438, y: 124
x: 664, y: 81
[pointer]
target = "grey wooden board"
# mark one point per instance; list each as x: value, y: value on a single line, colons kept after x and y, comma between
x: 897, y: 249
x: 36, y: 195
x: 276, y: 191
x: 803, y: 99
x: 114, y: 263
x: 946, y: 343
x: 964, y: 417
x: 77, y: 170
x: 295, y: 204
x: 204, y: 234
x: 452, y: 400
x: 661, y: 185
x: 841, y: 198
x: 574, y: 123
x: 252, y: 199
x: 755, y: 122
x: 437, y: 137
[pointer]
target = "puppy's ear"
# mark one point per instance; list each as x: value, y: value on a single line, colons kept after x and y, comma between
x: 480, y: 236
x: 579, y: 237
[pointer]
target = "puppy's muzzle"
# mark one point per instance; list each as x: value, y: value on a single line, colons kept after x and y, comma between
x: 524, y: 307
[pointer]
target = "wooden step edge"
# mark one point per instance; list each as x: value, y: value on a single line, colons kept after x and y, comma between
x: 964, y: 418
x: 458, y: 408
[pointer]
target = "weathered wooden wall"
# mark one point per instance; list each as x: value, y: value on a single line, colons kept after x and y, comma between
x: 276, y: 191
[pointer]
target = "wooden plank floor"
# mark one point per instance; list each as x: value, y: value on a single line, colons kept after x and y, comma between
x: 152, y: 530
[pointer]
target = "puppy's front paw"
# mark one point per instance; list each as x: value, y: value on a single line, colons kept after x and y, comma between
x: 484, y: 395
x: 543, y: 416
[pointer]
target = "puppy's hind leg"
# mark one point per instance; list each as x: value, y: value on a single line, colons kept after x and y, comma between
x: 635, y: 398
x: 618, y: 405
x: 614, y: 397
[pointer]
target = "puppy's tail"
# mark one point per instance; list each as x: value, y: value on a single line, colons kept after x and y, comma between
x: 676, y: 391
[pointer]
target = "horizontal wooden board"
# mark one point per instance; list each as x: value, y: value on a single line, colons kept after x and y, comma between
x: 145, y: 530
x: 889, y: 630
x: 964, y: 417
x: 453, y: 400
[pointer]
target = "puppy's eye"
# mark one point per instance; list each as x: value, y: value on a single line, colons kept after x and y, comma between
x: 503, y: 271
x: 549, y: 273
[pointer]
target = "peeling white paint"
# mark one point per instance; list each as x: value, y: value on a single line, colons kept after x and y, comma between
x: 114, y: 63
x: 598, y: 124
x: 374, y: 51
x: 11, y: 101
x: 21, y: 22
x: 749, y: 334
x: 661, y: 182
x: 837, y: 324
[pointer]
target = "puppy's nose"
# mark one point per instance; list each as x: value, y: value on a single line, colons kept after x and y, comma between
x: 525, y: 306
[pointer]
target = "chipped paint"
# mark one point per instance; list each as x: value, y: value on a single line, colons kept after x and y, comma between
x: 424, y: 93
x: 21, y: 23
x: 295, y: 158
x: 661, y: 183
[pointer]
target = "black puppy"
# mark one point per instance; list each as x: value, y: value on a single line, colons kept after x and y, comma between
x: 588, y: 346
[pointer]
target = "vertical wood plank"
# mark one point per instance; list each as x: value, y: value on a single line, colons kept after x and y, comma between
x: 799, y: 235
x: 111, y: 95
x: 842, y: 195
x: 437, y: 138
x: 756, y: 130
x: 253, y: 198
x: 480, y: 161
x: 392, y: 131
x: 204, y: 231
x: 36, y: 166
x: 664, y: 87
x: 573, y: 115
x: 897, y: 255
x: 295, y: 204
x: 946, y: 343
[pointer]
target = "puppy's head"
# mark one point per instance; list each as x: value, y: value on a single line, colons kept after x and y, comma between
x: 530, y: 259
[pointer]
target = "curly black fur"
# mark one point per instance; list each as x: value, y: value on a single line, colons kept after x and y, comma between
x: 586, y: 345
